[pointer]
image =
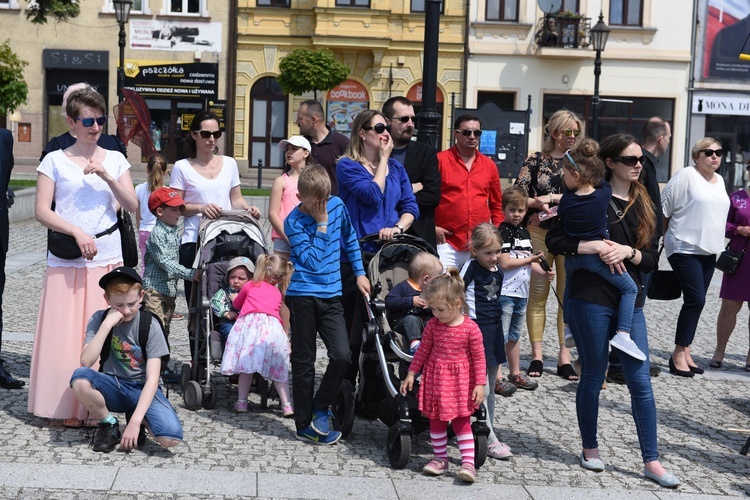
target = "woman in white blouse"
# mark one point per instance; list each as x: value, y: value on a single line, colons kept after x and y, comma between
x: 695, y: 205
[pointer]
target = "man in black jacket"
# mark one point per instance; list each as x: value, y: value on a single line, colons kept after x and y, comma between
x: 420, y: 162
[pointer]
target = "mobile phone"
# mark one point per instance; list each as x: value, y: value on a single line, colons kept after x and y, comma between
x: 544, y: 215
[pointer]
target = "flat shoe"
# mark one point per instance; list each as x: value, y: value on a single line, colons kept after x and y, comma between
x: 667, y: 480
x: 567, y: 372
x: 536, y: 366
x: 714, y: 364
x: 504, y: 388
x: 72, y: 423
x: 592, y: 464
x: 499, y: 450
x: 697, y: 370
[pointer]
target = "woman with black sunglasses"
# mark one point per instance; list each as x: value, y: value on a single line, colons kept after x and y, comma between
x: 87, y: 184
x: 207, y: 181
x: 695, y: 205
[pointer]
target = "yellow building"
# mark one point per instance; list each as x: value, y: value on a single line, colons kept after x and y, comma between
x: 380, y: 41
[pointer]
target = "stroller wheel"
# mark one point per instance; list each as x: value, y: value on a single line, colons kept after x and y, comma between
x: 480, y: 449
x: 343, y: 409
x: 184, y: 375
x: 192, y: 395
x: 398, y: 447
x: 210, y: 398
x: 263, y: 386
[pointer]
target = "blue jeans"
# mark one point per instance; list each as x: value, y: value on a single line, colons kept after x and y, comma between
x: 224, y: 328
x: 592, y: 325
x: 514, y: 316
x: 410, y: 326
x: 121, y: 396
x: 623, y: 282
x: 694, y: 272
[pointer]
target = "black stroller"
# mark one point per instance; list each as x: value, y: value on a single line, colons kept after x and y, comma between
x: 383, y: 359
x: 232, y: 234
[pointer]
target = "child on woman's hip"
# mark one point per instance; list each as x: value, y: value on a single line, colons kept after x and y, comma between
x: 257, y: 342
x: 451, y: 359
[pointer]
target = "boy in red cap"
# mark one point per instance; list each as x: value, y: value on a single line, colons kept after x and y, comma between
x: 163, y: 268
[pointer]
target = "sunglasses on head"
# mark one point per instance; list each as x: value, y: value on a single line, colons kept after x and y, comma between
x: 467, y: 132
x: 405, y: 119
x: 710, y: 152
x: 89, y: 122
x: 630, y: 161
x: 570, y: 132
x: 206, y: 134
x: 379, y: 128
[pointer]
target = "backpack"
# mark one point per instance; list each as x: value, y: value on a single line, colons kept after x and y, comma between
x: 144, y: 329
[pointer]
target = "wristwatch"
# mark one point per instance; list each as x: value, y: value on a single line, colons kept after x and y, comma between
x: 400, y: 228
x: 632, y: 254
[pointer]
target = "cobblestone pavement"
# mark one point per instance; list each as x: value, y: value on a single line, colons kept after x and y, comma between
x: 227, y: 455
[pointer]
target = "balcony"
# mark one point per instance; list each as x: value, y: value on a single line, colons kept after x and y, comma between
x: 563, y: 35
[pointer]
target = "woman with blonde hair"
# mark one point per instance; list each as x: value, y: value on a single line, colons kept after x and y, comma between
x: 541, y: 177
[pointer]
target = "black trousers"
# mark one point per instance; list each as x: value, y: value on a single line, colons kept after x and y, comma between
x: 187, y: 257
x: 310, y: 316
x: 4, y: 236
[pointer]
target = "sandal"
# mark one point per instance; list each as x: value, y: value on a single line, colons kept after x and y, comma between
x: 523, y: 382
x: 240, y: 406
x: 747, y: 367
x: 567, y: 372
x: 504, y: 388
x: 714, y: 364
x: 91, y: 423
x: 536, y: 366
x: 72, y: 423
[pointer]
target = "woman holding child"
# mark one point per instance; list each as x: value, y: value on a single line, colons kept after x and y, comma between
x: 88, y: 184
x: 591, y: 308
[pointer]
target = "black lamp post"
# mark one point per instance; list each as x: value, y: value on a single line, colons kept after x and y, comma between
x: 122, y: 12
x: 428, y: 117
x: 599, y: 35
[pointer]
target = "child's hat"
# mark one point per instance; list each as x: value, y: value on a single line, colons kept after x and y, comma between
x: 295, y: 140
x: 127, y: 273
x: 165, y: 196
x: 241, y: 261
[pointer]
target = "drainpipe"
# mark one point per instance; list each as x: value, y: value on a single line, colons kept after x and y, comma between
x: 465, y: 70
x: 232, y: 77
x: 691, y: 85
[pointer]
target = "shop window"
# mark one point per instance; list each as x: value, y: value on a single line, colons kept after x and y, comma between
x: 502, y: 10
x: 275, y: 3
x: 625, y: 12
x: 353, y: 3
x: 503, y: 100
x: 418, y: 6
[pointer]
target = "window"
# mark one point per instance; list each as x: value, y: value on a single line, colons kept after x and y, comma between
x: 139, y: 7
x: 625, y: 12
x: 503, y: 100
x: 353, y: 3
x: 569, y: 6
x: 502, y: 10
x: 418, y: 6
x: 185, y: 6
x: 9, y: 4
x: 274, y: 3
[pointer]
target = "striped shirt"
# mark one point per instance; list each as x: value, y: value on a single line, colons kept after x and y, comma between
x: 163, y: 267
x: 317, y: 255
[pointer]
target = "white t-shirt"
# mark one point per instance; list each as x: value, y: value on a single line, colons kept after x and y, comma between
x: 148, y: 220
x: 201, y: 190
x: 697, y: 212
x: 87, y: 202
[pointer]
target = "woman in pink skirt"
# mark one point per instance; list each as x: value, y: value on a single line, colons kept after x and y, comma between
x: 87, y: 184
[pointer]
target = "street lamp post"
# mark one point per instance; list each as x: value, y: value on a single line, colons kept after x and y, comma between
x: 122, y: 12
x: 428, y: 116
x: 599, y: 35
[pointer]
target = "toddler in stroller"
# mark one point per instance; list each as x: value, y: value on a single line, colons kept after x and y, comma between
x: 239, y: 271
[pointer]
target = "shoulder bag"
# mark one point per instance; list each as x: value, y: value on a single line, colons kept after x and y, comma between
x: 127, y: 236
x: 729, y: 259
x: 64, y: 246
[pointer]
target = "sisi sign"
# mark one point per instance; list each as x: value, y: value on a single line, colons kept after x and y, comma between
x: 186, y: 81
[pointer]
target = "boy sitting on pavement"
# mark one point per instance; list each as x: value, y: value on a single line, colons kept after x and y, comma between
x: 239, y: 271
x: 128, y: 380
x: 317, y: 229
x: 407, y: 310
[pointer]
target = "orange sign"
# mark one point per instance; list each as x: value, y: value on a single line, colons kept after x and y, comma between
x: 351, y: 91
x: 415, y: 94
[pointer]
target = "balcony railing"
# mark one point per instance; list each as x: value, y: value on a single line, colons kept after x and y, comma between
x: 563, y: 31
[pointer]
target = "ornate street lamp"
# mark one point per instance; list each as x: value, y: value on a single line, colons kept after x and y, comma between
x: 428, y: 116
x: 599, y: 36
x: 122, y: 12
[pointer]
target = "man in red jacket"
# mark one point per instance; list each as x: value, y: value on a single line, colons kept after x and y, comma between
x: 469, y: 192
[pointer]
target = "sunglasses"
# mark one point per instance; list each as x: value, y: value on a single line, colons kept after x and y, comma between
x: 89, y: 122
x: 206, y: 134
x: 379, y: 128
x: 570, y: 132
x: 570, y: 159
x: 405, y: 119
x: 467, y: 132
x: 710, y: 152
x: 630, y: 161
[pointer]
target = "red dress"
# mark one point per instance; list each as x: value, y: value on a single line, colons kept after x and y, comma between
x: 452, y: 362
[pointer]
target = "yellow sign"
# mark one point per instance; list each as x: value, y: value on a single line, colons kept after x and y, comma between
x: 186, y: 119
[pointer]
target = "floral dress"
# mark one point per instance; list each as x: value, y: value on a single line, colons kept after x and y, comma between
x: 540, y: 175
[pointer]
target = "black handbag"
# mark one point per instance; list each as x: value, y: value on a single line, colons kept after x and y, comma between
x: 64, y: 246
x: 729, y: 259
x: 127, y: 237
x: 664, y: 284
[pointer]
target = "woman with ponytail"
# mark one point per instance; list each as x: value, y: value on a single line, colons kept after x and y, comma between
x: 144, y: 219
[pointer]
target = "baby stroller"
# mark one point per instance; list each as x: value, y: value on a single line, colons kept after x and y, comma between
x: 383, y: 359
x: 232, y: 234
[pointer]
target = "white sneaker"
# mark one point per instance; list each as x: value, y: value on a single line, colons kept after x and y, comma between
x: 569, y: 342
x: 626, y: 345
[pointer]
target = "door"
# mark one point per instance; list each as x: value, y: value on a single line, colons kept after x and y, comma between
x: 268, y: 108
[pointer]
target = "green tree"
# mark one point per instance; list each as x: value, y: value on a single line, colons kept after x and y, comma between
x: 59, y: 10
x: 13, y: 88
x: 303, y: 70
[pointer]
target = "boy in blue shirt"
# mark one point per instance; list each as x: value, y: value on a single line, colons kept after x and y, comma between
x: 317, y: 230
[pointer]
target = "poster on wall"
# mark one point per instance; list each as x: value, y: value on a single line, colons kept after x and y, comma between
x: 178, y: 36
x: 727, y: 30
x: 344, y: 103
x: 183, y: 80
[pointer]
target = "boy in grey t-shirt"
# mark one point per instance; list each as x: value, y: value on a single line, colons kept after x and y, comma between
x: 128, y: 381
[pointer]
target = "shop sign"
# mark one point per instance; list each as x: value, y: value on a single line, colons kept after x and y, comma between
x: 182, y: 80
x: 76, y: 59
x: 345, y: 102
x: 721, y: 105
x: 219, y: 109
x: 415, y: 94
x: 175, y: 36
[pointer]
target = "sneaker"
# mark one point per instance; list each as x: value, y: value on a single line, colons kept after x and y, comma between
x: 320, y: 423
x: 241, y: 406
x: 414, y: 347
x: 468, y: 473
x: 522, y: 381
x: 141, y: 431
x: 106, y: 437
x: 499, y: 450
x: 626, y: 345
x: 436, y: 467
x: 309, y: 435
x: 287, y: 409
x: 570, y: 343
x: 504, y: 388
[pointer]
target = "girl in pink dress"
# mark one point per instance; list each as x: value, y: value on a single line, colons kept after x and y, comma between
x: 451, y: 359
x: 257, y: 342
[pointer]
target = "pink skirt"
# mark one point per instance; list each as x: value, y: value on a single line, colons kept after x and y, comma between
x: 69, y: 297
